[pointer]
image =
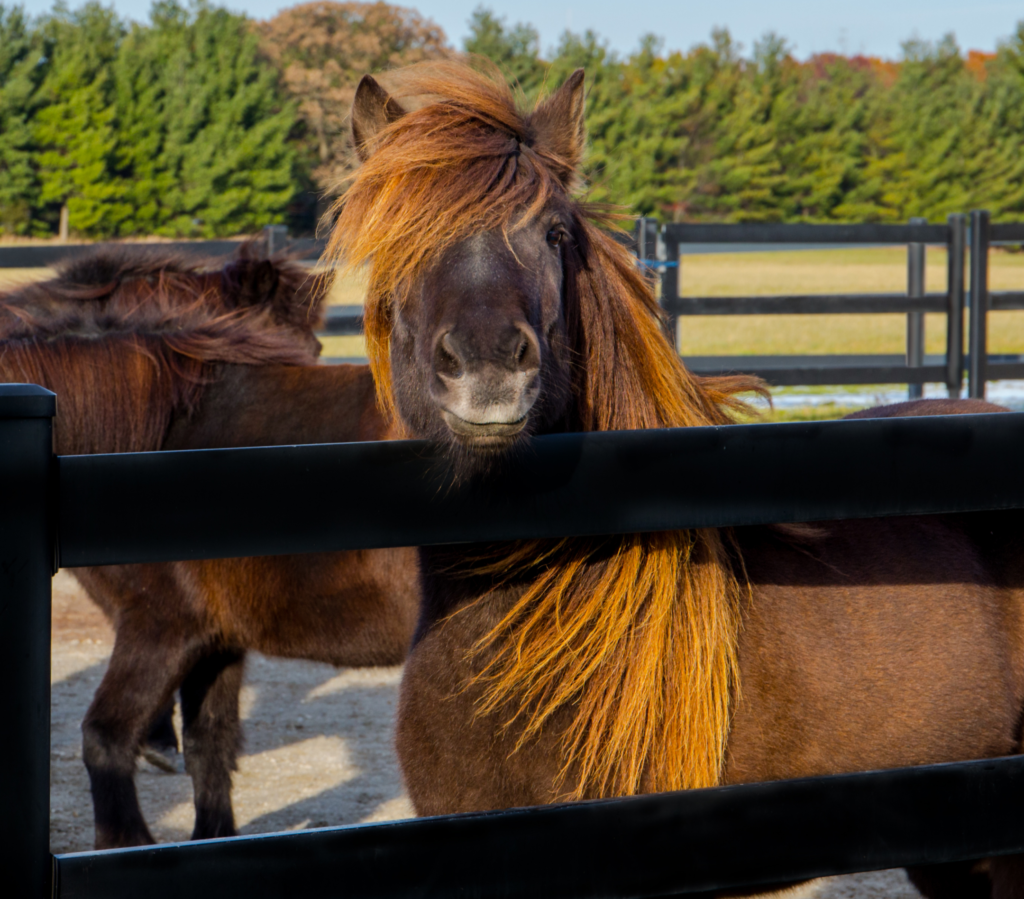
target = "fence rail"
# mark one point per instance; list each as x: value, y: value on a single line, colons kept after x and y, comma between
x: 651, y: 846
x: 72, y: 509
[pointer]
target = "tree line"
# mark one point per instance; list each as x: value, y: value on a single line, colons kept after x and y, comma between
x: 202, y: 122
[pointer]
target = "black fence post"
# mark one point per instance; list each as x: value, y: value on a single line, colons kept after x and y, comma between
x: 277, y: 238
x: 979, y: 304
x: 646, y: 231
x: 955, y: 270
x: 670, y: 287
x: 915, y: 320
x: 27, y: 557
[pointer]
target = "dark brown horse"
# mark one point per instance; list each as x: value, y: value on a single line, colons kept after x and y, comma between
x: 149, y: 353
x: 591, y: 667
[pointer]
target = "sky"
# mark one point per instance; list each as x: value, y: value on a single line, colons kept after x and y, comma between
x: 872, y: 27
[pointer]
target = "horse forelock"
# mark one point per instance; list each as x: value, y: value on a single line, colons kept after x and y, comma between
x: 638, y: 639
x: 128, y: 339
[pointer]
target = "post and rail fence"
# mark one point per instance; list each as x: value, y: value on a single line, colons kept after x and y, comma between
x: 667, y: 247
x: 664, y: 247
x: 80, y: 511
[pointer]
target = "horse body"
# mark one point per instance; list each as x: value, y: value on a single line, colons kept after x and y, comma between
x: 543, y: 671
x: 147, y: 354
x: 843, y: 667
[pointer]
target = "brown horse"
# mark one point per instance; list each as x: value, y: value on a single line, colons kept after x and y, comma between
x: 590, y: 667
x: 149, y: 353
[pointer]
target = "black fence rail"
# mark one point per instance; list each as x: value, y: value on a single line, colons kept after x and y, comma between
x: 79, y: 510
x: 663, y: 246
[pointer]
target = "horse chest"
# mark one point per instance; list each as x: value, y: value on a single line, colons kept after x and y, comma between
x: 454, y: 759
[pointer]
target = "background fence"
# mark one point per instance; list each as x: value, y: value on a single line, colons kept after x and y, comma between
x: 665, y: 247
x: 80, y: 510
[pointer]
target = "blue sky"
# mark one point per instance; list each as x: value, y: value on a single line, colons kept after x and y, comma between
x: 875, y: 27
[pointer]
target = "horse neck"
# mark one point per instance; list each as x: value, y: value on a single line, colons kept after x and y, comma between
x: 276, y: 405
x: 110, y: 398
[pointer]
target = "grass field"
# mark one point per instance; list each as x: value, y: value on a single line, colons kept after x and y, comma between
x: 806, y: 271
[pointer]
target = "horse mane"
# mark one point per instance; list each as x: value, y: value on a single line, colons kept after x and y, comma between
x: 636, y: 634
x: 127, y: 338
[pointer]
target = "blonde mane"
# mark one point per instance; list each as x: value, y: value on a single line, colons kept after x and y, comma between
x: 635, y: 634
x: 127, y: 339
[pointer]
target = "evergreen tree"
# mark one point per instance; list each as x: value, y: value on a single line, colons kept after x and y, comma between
x: 22, y: 66
x: 209, y: 124
x: 515, y: 50
x: 822, y: 114
x: 140, y: 79
x: 75, y: 130
x: 999, y: 126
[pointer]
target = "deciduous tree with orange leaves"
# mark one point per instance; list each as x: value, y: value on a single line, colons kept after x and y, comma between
x: 322, y: 49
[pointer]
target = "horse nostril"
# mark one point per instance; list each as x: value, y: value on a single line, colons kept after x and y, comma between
x: 446, y: 358
x: 527, y: 354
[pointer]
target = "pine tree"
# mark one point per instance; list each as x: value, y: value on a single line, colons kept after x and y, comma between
x: 140, y: 79
x: 515, y: 50
x: 75, y: 130
x: 209, y: 125
x: 999, y: 125
x: 22, y: 67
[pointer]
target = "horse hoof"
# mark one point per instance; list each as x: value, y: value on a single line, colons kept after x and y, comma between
x: 167, y: 760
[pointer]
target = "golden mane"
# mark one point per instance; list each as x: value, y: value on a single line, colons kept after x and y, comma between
x: 637, y: 634
x: 126, y: 339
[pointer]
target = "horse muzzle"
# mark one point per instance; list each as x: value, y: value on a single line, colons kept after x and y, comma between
x: 483, y: 435
x: 487, y: 412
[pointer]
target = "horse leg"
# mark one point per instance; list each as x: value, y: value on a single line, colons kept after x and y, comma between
x: 145, y: 668
x: 954, y: 880
x: 161, y: 744
x: 212, y: 735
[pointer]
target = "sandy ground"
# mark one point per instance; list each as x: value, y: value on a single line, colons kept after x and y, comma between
x: 318, y: 749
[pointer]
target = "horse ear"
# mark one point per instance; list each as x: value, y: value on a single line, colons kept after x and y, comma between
x: 557, y: 124
x: 373, y: 110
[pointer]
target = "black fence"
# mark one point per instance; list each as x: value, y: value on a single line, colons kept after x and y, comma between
x: 83, y: 510
x: 983, y: 366
x: 664, y: 248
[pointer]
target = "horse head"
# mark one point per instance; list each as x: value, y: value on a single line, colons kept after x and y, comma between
x: 498, y: 307
x: 479, y: 356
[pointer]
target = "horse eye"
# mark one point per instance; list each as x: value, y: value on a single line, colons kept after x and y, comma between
x: 554, y: 237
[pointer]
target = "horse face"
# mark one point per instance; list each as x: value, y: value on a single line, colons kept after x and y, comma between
x: 478, y: 351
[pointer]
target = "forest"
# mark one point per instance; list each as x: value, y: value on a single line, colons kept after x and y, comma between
x: 202, y: 122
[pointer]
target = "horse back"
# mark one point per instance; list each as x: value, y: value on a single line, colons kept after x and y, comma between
x: 275, y: 405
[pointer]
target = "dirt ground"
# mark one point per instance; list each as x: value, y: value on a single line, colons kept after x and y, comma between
x: 318, y: 749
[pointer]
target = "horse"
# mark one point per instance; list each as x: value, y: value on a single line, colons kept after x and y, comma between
x: 152, y: 352
x: 542, y: 671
